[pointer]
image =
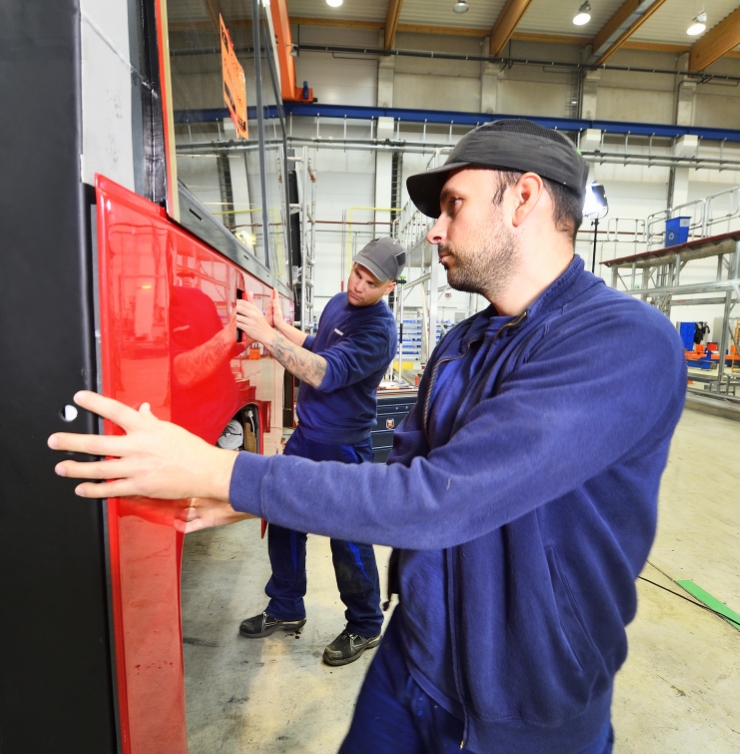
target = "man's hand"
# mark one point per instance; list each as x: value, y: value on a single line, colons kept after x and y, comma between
x: 204, y: 513
x: 252, y: 322
x: 153, y: 459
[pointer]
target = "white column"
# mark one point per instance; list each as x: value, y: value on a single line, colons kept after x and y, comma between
x: 386, y: 68
x: 489, y: 88
x: 685, y: 95
x: 590, y: 90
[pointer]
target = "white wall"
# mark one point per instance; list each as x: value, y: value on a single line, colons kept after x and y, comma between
x: 346, y: 178
x: 107, y: 140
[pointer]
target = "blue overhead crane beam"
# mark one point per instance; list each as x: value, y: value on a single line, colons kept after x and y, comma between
x: 445, y: 117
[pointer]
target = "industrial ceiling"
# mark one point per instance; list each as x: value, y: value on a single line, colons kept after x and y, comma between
x: 659, y: 25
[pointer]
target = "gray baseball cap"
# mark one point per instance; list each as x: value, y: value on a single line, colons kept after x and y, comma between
x: 517, y: 145
x: 384, y: 257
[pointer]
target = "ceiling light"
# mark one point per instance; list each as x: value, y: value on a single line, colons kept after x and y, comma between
x: 461, y: 6
x: 698, y: 25
x: 334, y: 3
x: 584, y: 14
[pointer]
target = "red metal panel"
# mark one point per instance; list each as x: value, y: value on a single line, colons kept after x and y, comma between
x: 168, y: 337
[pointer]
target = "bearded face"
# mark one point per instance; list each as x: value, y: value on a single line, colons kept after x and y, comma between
x: 480, y: 253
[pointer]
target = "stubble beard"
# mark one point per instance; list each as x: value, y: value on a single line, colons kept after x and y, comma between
x: 486, y: 266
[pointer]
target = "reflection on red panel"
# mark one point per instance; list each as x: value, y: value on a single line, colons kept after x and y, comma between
x: 168, y: 337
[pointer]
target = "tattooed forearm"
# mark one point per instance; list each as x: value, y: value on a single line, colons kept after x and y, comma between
x: 305, y: 365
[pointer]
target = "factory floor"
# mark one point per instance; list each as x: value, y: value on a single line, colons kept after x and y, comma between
x: 678, y: 693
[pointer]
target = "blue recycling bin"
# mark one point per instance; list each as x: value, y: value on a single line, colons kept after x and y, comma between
x: 677, y: 230
x: 686, y: 330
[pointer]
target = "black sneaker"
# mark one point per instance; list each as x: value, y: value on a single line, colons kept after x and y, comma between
x: 348, y: 647
x: 263, y: 625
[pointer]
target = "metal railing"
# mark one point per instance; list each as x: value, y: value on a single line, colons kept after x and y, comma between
x: 713, y: 215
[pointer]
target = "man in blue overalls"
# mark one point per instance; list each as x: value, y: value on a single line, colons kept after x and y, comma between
x: 340, y: 369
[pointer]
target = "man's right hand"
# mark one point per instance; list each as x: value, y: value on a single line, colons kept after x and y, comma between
x: 154, y: 459
x: 277, y: 311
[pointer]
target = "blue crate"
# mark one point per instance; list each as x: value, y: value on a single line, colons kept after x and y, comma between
x: 677, y: 230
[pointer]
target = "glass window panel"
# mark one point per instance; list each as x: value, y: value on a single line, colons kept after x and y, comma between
x: 220, y: 169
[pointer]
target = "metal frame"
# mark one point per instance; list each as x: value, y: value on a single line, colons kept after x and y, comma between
x: 306, y: 208
x: 655, y: 276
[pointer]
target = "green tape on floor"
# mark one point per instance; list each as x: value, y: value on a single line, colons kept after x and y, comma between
x: 696, y: 591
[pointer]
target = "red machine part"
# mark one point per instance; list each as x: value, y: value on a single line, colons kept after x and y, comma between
x: 167, y: 336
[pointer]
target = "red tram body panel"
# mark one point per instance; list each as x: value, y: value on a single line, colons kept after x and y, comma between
x: 167, y: 336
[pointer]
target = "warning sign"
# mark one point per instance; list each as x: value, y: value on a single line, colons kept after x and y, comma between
x: 235, y: 89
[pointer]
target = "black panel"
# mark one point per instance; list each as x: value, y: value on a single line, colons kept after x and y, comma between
x: 55, y: 665
x: 150, y: 175
x: 392, y: 408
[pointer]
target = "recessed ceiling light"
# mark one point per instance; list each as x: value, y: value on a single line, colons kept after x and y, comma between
x: 698, y: 25
x: 334, y: 3
x: 584, y: 14
x: 461, y: 6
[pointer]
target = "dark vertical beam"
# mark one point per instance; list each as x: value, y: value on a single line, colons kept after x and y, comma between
x: 56, y: 678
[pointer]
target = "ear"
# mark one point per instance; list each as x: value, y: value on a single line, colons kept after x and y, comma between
x: 528, y: 192
x: 389, y: 287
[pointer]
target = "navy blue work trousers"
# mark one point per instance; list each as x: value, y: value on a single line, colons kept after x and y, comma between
x: 354, y: 564
x: 394, y: 716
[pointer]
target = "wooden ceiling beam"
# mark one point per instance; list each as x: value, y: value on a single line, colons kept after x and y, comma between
x: 617, y: 20
x: 391, y: 22
x: 558, y: 39
x: 717, y: 42
x: 448, y: 31
x: 623, y: 13
x: 337, y: 23
x: 506, y: 23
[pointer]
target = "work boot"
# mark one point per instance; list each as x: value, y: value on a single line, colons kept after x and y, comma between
x: 348, y: 647
x: 263, y: 625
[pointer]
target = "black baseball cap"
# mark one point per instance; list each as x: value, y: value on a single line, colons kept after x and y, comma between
x: 518, y: 145
x: 384, y: 257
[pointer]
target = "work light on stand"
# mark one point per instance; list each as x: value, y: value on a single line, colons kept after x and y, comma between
x: 595, y: 207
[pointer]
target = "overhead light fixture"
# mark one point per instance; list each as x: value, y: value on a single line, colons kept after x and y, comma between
x: 698, y: 25
x: 584, y: 14
x: 334, y: 3
x: 461, y: 6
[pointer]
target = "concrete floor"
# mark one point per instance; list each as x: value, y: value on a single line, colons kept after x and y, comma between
x: 678, y: 693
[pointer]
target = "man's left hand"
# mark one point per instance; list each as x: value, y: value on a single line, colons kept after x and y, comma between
x: 205, y: 513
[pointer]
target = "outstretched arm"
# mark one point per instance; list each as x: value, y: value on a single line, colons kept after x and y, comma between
x: 307, y: 366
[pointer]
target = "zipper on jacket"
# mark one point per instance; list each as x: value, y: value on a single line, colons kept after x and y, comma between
x: 454, y: 358
x: 426, y: 433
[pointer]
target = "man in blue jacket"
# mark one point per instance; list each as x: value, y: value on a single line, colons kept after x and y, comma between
x: 521, y: 495
x: 340, y: 369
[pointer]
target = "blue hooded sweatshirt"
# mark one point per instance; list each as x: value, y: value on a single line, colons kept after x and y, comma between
x: 533, y: 470
x: 358, y: 343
